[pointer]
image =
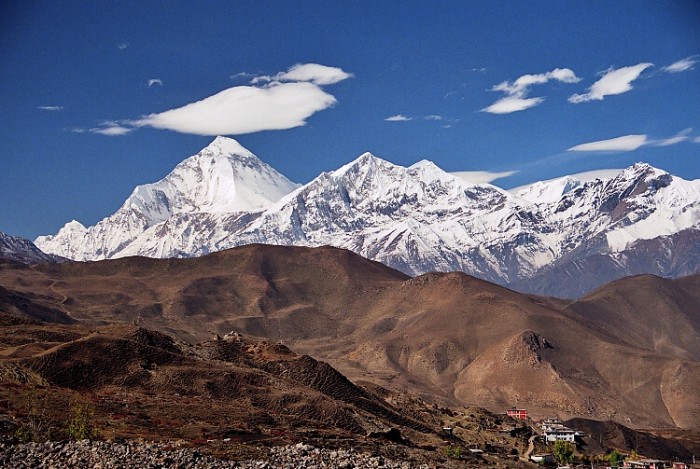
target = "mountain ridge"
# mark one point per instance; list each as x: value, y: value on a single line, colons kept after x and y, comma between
x: 418, y: 219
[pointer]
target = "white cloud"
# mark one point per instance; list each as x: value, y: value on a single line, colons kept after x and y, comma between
x: 398, y: 118
x: 696, y: 140
x: 681, y: 136
x: 244, y: 109
x: 50, y: 108
x: 111, y: 129
x: 241, y: 75
x: 314, y: 73
x: 479, y: 70
x: 682, y: 65
x: 516, y: 92
x: 481, y: 177
x: 510, y: 104
x: 155, y: 81
x: 624, y: 143
x: 123, y: 45
x: 613, y: 81
x: 433, y: 117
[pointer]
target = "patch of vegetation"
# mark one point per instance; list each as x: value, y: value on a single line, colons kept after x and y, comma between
x: 563, y: 452
x: 452, y: 452
x: 614, y: 458
x: 37, y: 424
x: 80, y: 425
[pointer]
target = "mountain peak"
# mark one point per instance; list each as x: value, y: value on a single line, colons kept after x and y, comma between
x: 640, y: 169
x: 365, y: 160
x: 73, y: 226
x: 227, y: 146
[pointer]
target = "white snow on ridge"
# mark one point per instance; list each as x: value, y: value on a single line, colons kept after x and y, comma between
x: 548, y: 192
x: 673, y: 208
x: 416, y: 218
x: 584, y: 177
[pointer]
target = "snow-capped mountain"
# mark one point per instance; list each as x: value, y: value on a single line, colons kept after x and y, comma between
x: 415, y: 219
x: 223, y: 181
x: 24, y: 251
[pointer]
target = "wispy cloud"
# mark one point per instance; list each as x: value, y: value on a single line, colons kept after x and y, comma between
x: 516, y: 92
x: 398, y: 118
x: 510, y: 104
x: 155, y: 81
x: 682, y: 65
x: 612, y: 82
x: 696, y: 140
x: 481, y: 177
x: 681, y: 136
x: 314, y: 73
x: 50, y: 108
x: 433, y: 117
x: 113, y: 131
x: 241, y: 75
x: 624, y: 143
x: 479, y: 70
x: 632, y: 142
x: 122, y: 45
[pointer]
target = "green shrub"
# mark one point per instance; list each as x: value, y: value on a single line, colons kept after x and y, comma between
x: 452, y: 452
x: 80, y: 425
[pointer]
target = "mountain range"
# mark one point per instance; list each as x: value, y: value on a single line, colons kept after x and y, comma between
x: 561, y: 238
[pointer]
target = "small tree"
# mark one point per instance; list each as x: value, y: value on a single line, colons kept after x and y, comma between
x: 562, y: 452
x: 614, y: 458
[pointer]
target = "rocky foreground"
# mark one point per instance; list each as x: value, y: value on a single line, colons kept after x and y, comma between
x: 103, y: 454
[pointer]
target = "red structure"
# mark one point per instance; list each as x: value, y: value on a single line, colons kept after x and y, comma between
x: 517, y: 413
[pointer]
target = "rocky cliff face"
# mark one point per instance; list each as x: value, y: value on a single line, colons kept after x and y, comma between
x: 22, y: 250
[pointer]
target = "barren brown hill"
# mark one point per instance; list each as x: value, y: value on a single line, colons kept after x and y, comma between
x: 448, y: 337
x: 229, y: 396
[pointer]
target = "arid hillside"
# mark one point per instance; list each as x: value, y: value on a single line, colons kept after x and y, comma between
x: 628, y: 352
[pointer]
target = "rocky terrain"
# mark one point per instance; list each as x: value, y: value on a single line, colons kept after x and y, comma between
x: 99, y: 454
x: 145, y: 398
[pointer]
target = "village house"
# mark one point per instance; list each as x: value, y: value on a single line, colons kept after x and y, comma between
x: 553, y: 430
x: 520, y: 414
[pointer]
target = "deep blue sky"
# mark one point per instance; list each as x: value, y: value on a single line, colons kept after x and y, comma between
x: 69, y: 68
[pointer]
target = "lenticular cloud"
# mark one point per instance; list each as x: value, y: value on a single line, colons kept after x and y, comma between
x: 278, y: 102
x: 245, y: 109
